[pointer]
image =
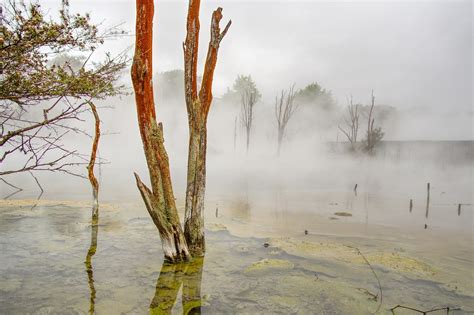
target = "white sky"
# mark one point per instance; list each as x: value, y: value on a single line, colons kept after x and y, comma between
x: 414, y: 54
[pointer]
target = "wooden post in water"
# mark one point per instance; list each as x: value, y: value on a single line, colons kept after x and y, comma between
x: 459, y: 210
x: 427, y: 199
x: 411, y: 205
x: 235, y: 134
x: 355, y: 189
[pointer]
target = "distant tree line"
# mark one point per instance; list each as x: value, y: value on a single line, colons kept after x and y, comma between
x: 315, y: 102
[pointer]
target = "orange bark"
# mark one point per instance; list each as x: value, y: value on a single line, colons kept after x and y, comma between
x: 159, y: 201
x: 90, y: 167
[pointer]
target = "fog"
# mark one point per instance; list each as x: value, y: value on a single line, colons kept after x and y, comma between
x: 415, y: 56
x: 302, y: 225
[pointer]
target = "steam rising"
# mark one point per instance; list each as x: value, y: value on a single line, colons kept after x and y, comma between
x: 417, y: 57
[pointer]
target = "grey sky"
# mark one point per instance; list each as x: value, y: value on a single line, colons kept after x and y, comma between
x: 414, y: 54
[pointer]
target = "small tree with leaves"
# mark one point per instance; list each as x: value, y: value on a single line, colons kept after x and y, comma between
x: 47, y: 86
x: 242, y: 84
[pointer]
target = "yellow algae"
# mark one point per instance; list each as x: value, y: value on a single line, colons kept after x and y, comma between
x: 344, y: 253
x: 47, y: 202
x: 266, y: 265
x: 398, y: 262
x: 314, y: 249
x: 216, y: 227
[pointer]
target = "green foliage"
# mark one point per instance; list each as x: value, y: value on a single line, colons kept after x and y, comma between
x: 314, y: 95
x: 47, y: 83
x: 375, y: 135
x: 242, y: 85
x: 30, y: 45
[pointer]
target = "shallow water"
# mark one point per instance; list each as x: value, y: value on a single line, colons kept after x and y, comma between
x: 259, y: 259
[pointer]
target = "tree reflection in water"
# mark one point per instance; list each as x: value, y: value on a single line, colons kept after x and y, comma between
x: 172, y: 276
x: 90, y: 254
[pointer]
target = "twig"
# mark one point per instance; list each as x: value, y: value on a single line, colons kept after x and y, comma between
x: 11, y: 185
x: 373, y: 271
x: 372, y: 296
x: 446, y: 308
x: 37, y: 182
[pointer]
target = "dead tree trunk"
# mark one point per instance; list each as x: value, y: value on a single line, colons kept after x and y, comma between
x: 351, y: 124
x: 284, y: 110
x: 249, y: 99
x: 370, y: 125
x: 90, y: 167
x: 198, y: 106
x: 159, y: 201
x: 235, y: 134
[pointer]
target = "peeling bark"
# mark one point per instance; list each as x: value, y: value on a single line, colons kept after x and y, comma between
x: 198, y: 105
x: 159, y: 200
x: 90, y: 168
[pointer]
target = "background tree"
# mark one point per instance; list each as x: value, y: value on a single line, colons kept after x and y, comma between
x: 374, y: 134
x: 47, y: 85
x: 198, y: 106
x: 248, y: 101
x: 285, y: 107
x: 169, y: 85
x: 243, y: 84
x: 351, y: 121
x: 316, y: 96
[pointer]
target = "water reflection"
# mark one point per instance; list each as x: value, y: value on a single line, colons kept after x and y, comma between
x: 427, y: 200
x: 171, y: 278
x: 90, y: 253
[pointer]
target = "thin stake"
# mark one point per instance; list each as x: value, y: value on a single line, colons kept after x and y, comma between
x: 427, y: 199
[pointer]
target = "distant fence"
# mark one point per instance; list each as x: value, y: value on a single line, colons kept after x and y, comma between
x: 444, y: 152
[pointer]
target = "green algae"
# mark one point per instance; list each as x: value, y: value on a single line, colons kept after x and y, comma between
x: 43, y: 269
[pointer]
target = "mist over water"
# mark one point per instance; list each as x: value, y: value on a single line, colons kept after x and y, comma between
x: 308, y: 204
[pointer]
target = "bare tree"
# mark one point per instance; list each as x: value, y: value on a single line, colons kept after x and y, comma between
x: 285, y: 107
x: 235, y: 133
x: 198, y: 106
x: 374, y: 134
x: 248, y: 101
x: 351, y: 122
x: 159, y: 201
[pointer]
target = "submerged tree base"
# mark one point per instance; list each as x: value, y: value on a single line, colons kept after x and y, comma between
x: 43, y: 253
